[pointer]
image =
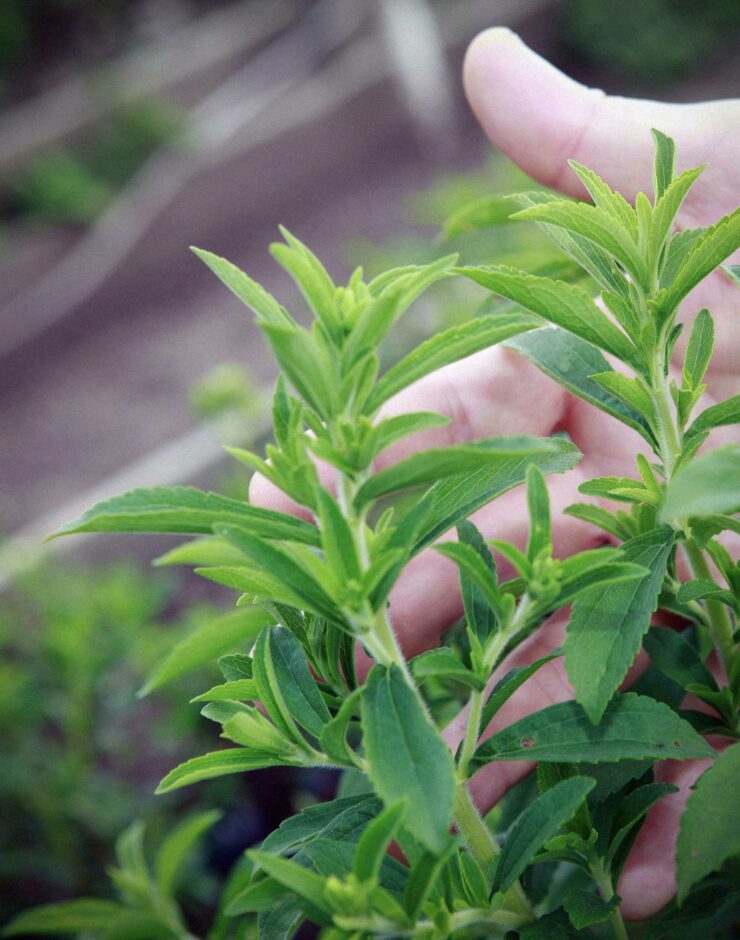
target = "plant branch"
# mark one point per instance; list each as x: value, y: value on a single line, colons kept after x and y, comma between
x: 603, y: 880
x: 719, y: 626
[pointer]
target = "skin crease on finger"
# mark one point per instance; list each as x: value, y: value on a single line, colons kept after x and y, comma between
x: 539, y: 118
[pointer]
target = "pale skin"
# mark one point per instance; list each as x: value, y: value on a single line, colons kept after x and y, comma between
x: 540, y: 118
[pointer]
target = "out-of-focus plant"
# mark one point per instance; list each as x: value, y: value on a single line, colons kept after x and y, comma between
x: 75, y: 646
x: 655, y: 41
x: 74, y: 186
x: 147, y: 904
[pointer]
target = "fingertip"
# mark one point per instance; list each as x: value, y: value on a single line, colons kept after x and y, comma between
x: 264, y: 493
x: 529, y: 109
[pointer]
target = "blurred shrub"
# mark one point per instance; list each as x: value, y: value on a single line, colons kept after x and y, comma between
x: 80, y: 757
x: 656, y: 41
x: 226, y: 388
x: 77, y: 767
x: 62, y: 187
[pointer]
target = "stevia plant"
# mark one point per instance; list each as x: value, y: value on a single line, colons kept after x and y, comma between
x: 319, y: 584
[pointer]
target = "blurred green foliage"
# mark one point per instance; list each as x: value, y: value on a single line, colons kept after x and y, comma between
x: 656, y: 41
x: 80, y: 756
x: 74, y: 186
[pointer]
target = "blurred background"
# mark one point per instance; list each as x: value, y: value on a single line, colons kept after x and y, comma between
x: 130, y: 129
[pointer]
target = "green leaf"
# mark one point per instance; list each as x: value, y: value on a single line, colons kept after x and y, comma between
x: 631, y: 812
x: 709, y: 834
x: 281, y: 922
x: 306, y: 361
x: 632, y: 727
x: 724, y: 412
x: 306, y: 884
x: 676, y: 658
x: 270, y: 691
x: 336, y: 536
x: 623, y: 489
x: 448, y: 346
x: 378, y: 317
x: 608, y: 622
x: 732, y: 271
x: 443, y: 663
x: 666, y: 209
x: 553, y: 926
x: 507, y: 686
x: 201, y: 552
x: 598, y: 516
x: 175, y: 847
x: 311, y: 277
x: 374, y: 842
x: 679, y: 246
x: 597, y: 574
x: 236, y: 666
x: 484, y: 213
x: 708, y: 251
x: 79, y: 916
x: 423, y: 878
x: 596, y: 225
x: 539, y: 822
x: 237, y: 690
x: 664, y: 165
x: 450, y: 501
x: 219, y: 712
x: 266, y: 308
x: 708, y: 484
x: 586, y: 908
x: 186, y: 510
x: 282, y: 566
x: 538, y: 504
x: 258, y: 896
x: 295, y: 682
x: 560, y: 303
x: 710, y: 910
x: 697, y: 590
x: 432, y: 465
x: 573, y: 362
x: 629, y: 390
x: 593, y: 259
x: 475, y: 568
x: 699, y: 349
x: 606, y: 199
x: 249, y: 728
x: 340, y: 820
x: 253, y: 584
x: 395, y: 429
x: 479, y: 614
x: 407, y: 757
x: 204, y: 644
x: 333, y: 738
x: 217, y: 764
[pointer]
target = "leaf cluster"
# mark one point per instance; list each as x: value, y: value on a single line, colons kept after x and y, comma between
x: 314, y: 585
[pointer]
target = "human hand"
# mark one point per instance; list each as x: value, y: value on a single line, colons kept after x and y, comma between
x: 540, y: 118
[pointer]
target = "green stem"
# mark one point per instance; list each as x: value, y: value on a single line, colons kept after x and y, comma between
x: 476, y: 833
x: 472, y: 733
x: 719, y: 626
x: 667, y: 431
x: 374, y: 628
x: 604, y: 881
x: 388, y: 643
x: 669, y: 437
x: 484, y: 849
